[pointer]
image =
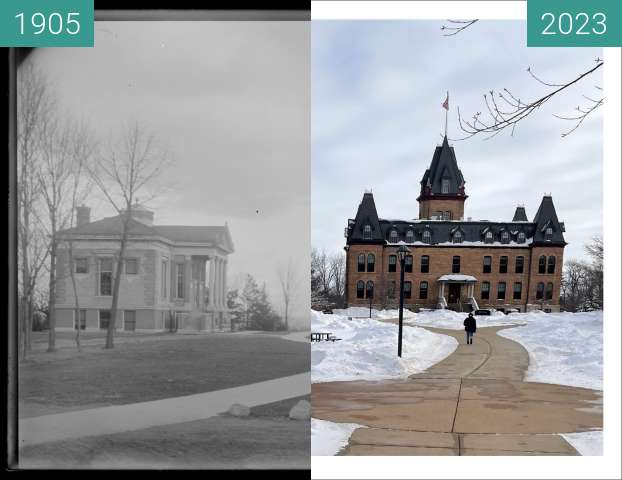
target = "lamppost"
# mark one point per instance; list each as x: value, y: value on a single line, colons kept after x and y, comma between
x: 401, y: 252
x: 370, y: 295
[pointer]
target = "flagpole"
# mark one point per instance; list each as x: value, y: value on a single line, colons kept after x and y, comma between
x: 446, y: 113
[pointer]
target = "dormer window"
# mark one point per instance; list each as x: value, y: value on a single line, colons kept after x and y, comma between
x: 367, y: 232
x: 548, y: 233
x: 457, y: 237
x: 427, y: 236
x: 488, y: 237
x: 410, y: 236
x: 445, y: 185
x: 393, y: 236
x: 505, y: 237
x: 521, y: 237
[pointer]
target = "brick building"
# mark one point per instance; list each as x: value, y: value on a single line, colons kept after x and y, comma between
x: 172, y: 274
x: 454, y: 262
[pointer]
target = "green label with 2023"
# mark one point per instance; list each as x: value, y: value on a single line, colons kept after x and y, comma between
x: 574, y: 23
x: 47, y: 23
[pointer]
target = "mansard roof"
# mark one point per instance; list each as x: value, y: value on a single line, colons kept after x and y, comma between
x: 546, y: 217
x: 520, y: 215
x: 443, y: 166
x: 366, y: 215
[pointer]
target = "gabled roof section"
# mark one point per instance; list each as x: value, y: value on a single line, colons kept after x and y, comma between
x: 547, y: 217
x: 443, y: 166
x: 366, y: 215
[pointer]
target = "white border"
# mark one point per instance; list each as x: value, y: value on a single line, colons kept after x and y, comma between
x: 607, y: 466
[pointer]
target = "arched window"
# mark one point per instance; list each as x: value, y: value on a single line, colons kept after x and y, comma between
x: 427, y: 236
x: 521, y: 237
x: 542, y: 264
x: 458, y: 236
x: 370, y: 289
x: 540, y: 291
x: 488, y: 237
x: 485, y: 291
x: 487, y: 268
x: 360, y: 289
x: 549, y: 291
x: 408, y: 263
x: 549, y: 231
x: 410, y: 236
x: 520, y: 263
x: 392, y: 263
x: 425, y: 264
x: 367, y: 232
x: 371, y: 262
x: 361, y: 262
x: 551, y: 265
x: 393, y: 238
x: 505, y: 237
x: 423, y: 290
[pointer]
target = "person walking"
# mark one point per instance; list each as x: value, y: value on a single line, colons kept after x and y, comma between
x: 470, y: 326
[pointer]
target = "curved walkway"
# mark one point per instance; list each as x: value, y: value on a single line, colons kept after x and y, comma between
x: 472, y: 403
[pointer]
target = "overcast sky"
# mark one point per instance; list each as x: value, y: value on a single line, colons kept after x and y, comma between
x: 230, y: 101
x: 377, y: 90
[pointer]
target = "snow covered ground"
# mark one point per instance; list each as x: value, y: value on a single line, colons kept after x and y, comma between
x: 368, y: 349
x: 327, y: 438
x: 454, y: 320
x: 564, y: 348
x: 586, y: 443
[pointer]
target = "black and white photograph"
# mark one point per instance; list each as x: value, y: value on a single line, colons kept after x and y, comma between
x: 163, y: 248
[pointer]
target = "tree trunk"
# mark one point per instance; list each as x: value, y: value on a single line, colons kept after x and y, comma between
x: 75, y: 297
x: 52, y: 295
x: 117, y: 284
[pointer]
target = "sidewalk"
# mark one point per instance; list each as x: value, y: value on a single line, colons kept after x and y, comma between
x: 135, y: 416
x: 472, y: 403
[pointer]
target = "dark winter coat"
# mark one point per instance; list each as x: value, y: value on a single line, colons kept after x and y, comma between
x: 469, y: 324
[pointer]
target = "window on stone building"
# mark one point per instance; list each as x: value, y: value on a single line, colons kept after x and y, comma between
x: 549, y: 291
x: 360, y: 289
x: 369, y: 291
x: 164, y: 290
x: 518, y: 289
x: 445, y: 185
x: 457, y: 237
x: 361, y: 262
x: 485, y: 291
x: 180, y: 280
x: 540, y: 291
x: 82, y: 320
x: 501, y: 291
x: 505, y: 237
x: 503, y: 264
x: 521, y: 237
x: 131, y: 266
x: 367, y: 232
x: 129, y: 320
x: 408, y: 288
x: 408, y: 263
x: 455, y: 265
x: 423, y: 290
x: 104, y: 319
x: 520, y: 264
x: 426, y: 236
x: 488, y: 237
x: 81, y: 265
x: 393, y: 238
x: 487, y: 267
x: 551, y: 265
x: 410, y: 236
x: 392, y: 263
x: 105, y: 276
x: 391, y: 289
x: 542, y: 264
x: 371, y: 262
x: 425, y: 264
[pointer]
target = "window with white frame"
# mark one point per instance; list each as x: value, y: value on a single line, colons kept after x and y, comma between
x: 427, y: 236
x: 445, y: 185
x: 367, y: 232
x: 164, y: 282
x: 393, y: 236
x: 105, y: 277
x: 410, y: 236
x: 521, y: 237
x: 180, y: 281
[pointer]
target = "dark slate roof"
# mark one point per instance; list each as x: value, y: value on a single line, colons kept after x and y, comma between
x: 520, y: 215
x: 444, y: 165
x: 546, y: 217
x: 366, y: 215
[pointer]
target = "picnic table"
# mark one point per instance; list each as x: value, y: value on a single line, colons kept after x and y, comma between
x: 319, y: 336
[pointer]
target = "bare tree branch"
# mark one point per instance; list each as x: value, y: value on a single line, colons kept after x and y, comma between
x: 457, y: 26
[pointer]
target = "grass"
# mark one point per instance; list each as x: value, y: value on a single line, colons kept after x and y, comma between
x: 149, y: 367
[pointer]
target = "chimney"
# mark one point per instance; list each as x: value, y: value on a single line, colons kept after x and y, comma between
x: 83, y: 215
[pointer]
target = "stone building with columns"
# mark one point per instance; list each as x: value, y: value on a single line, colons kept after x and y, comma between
x: 455, y: 262
x: 173, y: 277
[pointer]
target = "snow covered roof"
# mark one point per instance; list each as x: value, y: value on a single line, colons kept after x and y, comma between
x: 457, y: 278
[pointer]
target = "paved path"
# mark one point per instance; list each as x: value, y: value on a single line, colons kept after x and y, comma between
x: 136, y: 416
x: 472, y: 403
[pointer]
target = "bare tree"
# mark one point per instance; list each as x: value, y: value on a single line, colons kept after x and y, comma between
x: 35, y: 105
x: 338, y: 275
x: 289, y: 285
x: 456, y: 26
x: 126, y: 170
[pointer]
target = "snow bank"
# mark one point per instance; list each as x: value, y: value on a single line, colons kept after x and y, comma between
x: 586, y: 443
x: 327, y: 438
x: 564, y: 348
x: 454, y: 320
x: 368, y: 349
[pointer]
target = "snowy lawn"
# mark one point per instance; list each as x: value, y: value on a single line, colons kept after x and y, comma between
x: 564, y: 348
x: 368, y: 349
x: 327, y: 438
x: 454, y: 320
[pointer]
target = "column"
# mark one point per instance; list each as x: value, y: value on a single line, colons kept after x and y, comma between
x: 188, y: 286
x: 218, y: 283
x: 212, y: 281
x: 224, y: 283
